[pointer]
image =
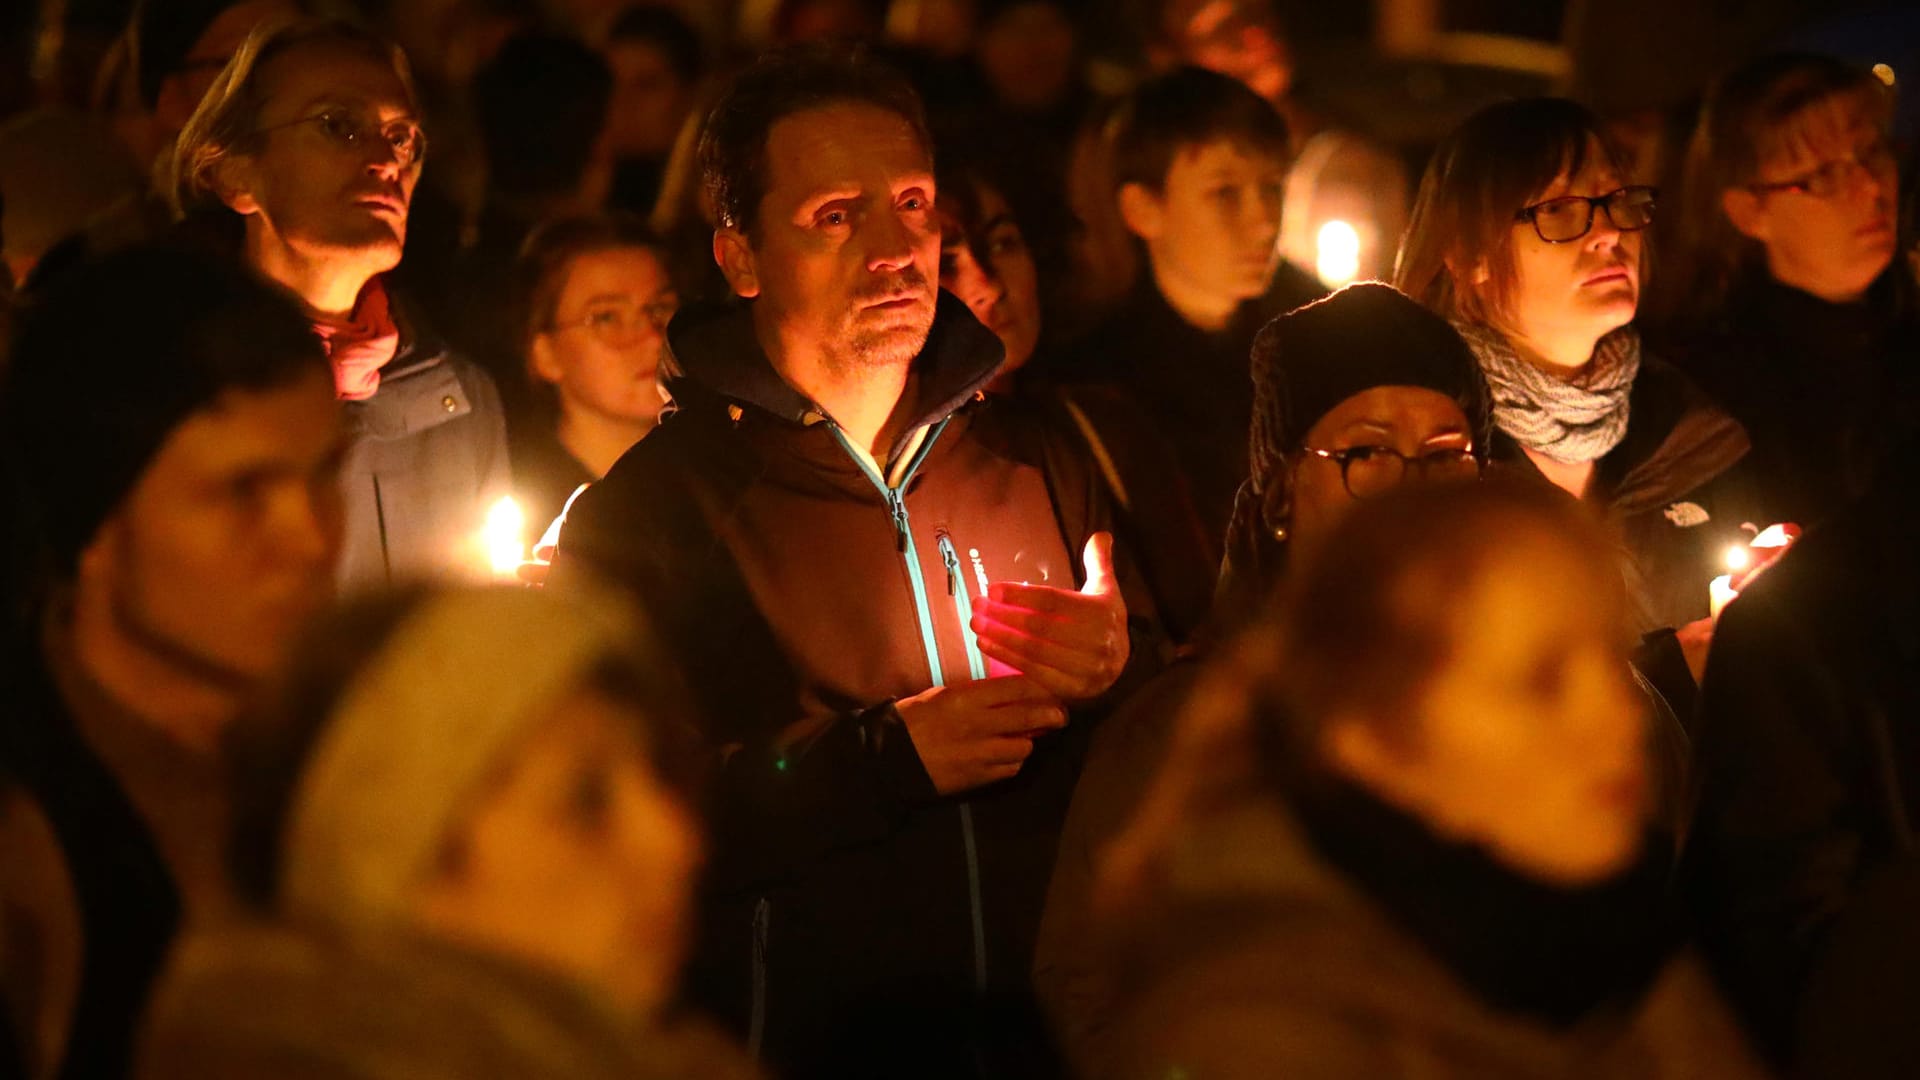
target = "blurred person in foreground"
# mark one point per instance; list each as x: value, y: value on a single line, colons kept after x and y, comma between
x: 1355, y: 395
x: 465, y: 835
x: 1530, y: 241
x: 1444, y: 870
x: 1785, y: 300
x: 171, y: 450
x: 594, y: 299
x: 302, y: 161
x: 873, y: 578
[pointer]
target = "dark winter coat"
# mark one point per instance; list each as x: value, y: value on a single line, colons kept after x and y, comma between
x: 1808, y: 758
x: 1263, y: 959
x: 1824, y: 390
x: 137, y: 826
x: 1167, y: 408
x: 852, y: 916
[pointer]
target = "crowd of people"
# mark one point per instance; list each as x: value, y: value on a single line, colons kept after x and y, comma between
x: 998, y: 614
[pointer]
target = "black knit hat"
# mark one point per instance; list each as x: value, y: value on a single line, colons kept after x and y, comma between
x: 1308, y: 361
x: 105, y: 367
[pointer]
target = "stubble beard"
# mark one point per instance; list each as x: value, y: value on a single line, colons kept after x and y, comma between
x: 893, y: 344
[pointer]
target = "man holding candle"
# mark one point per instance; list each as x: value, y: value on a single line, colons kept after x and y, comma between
x: 303, y: 158
x: 839, y: 536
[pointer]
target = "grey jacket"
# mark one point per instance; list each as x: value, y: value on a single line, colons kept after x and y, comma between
x: 429, y: 456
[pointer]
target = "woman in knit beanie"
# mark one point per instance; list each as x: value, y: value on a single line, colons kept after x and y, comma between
x: 466, y: 829
x: 1335, y: 384
x: 1354, y: 395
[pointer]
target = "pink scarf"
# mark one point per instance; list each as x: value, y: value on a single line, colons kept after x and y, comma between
x: 362, y: 345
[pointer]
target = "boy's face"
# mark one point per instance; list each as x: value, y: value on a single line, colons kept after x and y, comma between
x: 1213, y: 229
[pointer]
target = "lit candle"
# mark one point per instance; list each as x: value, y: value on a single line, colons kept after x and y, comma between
x: 1720, y: 592
x: 504, y: 537
x: 1337, y: 251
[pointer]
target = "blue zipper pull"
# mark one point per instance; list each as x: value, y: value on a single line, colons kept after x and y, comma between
x: 952, y: 558
x: 897, y: 503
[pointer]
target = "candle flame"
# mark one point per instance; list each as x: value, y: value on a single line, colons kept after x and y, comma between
x: 1738, y: 557
x: 1338, y: 253
x: 504, y: 536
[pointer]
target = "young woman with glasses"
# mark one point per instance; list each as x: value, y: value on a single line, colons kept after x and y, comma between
x: 1785, y: 304
x: 595, y: 298
x: 1530, y: 240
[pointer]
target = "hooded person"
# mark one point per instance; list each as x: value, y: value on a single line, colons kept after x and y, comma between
x: 169, y: 444
x: 467, y: 846
x: 1354, y: 395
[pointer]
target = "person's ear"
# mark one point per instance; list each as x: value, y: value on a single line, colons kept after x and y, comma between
x: 235, y: 181
x: 1747, y: 213
x: 95, y: 566
x: 1354, y: 748
x: 734, y: 252
x: 1276, y: 504
x: 546, y: 359
x: 1143, y: 211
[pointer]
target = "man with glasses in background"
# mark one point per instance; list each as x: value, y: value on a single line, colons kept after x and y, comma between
x: 303, y: 158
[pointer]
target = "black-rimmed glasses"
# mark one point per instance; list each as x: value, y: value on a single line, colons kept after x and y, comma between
x: 1570, y: 217
x: 403, y: 138
x: 1830, y: 178
x: 1371, y: 471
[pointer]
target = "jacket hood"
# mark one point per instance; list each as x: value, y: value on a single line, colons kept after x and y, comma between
x: 715, y: 353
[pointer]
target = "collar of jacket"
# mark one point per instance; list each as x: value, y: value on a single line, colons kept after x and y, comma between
x: 716, y: 360
x: 419, y: 388
x: 420, y: 346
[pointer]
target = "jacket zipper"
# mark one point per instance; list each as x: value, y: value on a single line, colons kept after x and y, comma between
x: 977, y: 667
x: 962, y: 603
x: 903, y: 543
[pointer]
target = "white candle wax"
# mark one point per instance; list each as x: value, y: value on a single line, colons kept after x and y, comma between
x: 1720, y: 592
